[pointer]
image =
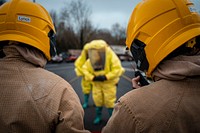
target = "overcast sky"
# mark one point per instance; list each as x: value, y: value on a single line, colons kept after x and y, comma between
x: 104, y: 12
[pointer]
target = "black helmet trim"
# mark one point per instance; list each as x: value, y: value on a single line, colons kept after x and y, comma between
x: 52, y: 38
x: 138, y: 52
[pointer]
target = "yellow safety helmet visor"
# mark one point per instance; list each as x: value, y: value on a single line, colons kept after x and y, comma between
x: 158, y: 27
x: 28, y: 23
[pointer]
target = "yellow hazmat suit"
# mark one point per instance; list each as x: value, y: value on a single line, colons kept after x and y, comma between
x: 86, y: 85
x: 103, y: 68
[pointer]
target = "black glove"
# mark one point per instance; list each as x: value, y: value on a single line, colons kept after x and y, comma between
x: 100, y: 78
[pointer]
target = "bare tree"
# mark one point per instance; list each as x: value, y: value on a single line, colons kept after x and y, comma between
x: 54, y: 17
x: 119, y: 33
x: 75, y: 29
x: 76, y: 15
x: 104, y: 34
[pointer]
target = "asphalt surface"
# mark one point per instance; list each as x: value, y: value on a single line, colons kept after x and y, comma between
x: 66, y: 71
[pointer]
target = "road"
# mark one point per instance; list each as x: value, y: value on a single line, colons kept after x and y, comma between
x: 66, y: 71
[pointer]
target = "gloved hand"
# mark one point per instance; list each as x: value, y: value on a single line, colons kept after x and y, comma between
x: 100, y: 78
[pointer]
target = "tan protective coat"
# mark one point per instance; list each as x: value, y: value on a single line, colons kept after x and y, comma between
x: 34, y: 100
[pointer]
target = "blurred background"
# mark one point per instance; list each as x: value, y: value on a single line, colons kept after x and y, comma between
x: 80, y: 21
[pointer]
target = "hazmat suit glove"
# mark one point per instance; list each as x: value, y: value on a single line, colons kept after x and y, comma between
x: 100, y: 78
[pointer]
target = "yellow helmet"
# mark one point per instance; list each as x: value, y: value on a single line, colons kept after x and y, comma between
x: 28, y: 23
x: 158, y: 27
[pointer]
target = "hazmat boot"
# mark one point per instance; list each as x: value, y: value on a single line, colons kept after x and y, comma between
x: 97, y: 119
x: 86, y: 98
x: 110, y: 110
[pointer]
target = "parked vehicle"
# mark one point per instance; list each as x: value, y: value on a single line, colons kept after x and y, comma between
x: 56, y: 59
x: 122, y: 52
x: 71, y: 58
x: 67, y: 57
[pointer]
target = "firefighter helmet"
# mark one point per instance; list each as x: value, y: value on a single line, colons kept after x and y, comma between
x: 158, y: 27
x: 27, y: 22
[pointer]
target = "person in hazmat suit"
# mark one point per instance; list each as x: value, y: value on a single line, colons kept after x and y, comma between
x: 86, y: 85
x: 103, y: 68
x: 33, y: 100
x: 164, y: 38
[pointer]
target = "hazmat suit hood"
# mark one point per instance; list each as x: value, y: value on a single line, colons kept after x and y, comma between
x: 97, y: 54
